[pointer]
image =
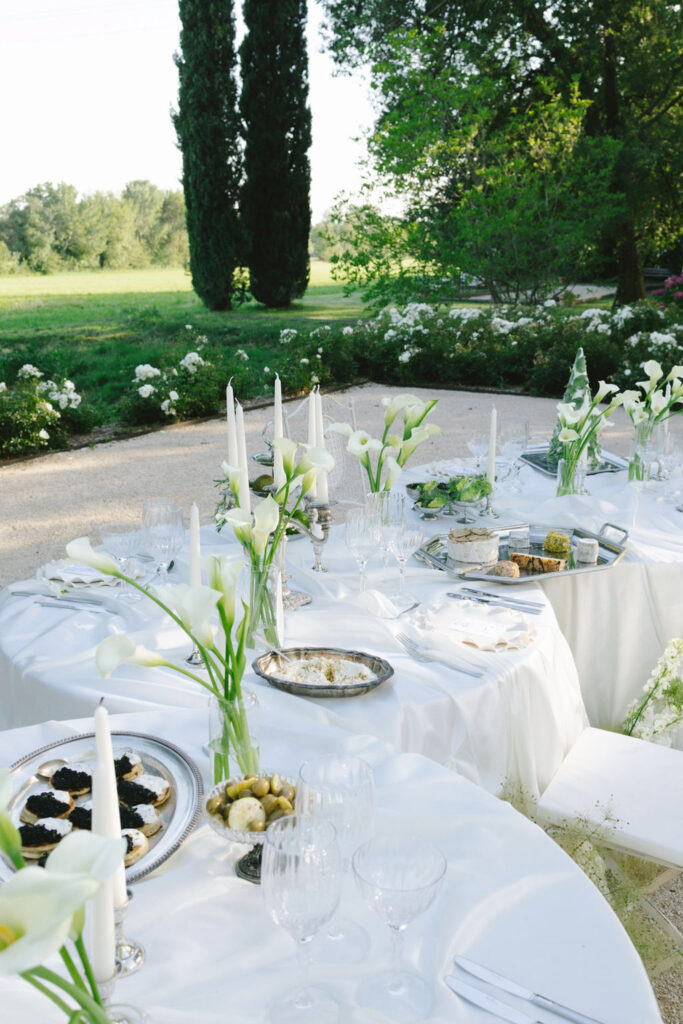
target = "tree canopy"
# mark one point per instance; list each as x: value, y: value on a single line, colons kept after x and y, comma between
x: 576, y: 108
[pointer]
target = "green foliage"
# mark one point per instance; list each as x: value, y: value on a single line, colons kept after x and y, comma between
x: 478, y: 120
x: 50, y: 229
x: 207, y: 125
x: 277, y: 125
x: 36, y: 412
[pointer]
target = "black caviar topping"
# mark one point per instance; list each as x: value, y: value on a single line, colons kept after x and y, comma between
x: 133, y: 793
x: 45, y: 805
x: 67, y: 778
x: 122, y: 765
x: 130, y: 818
x: 129, y: 844
x: 38, y: 835
x: 81, y: 817
x: 42, y: 860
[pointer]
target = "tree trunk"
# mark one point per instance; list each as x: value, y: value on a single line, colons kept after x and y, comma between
x: 630, y: 286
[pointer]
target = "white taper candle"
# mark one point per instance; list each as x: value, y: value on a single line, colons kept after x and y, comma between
x: 241, y: 438
x: 232, y: 426
x: 102, y: 918
x: 277, y: 409
x: 195, y: 548
x: 313, y: 492
x: 321, y: 481
x: 491, y: 469
x: 108, y: 800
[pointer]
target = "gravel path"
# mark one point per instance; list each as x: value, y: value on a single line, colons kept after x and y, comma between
x: 50, y: 499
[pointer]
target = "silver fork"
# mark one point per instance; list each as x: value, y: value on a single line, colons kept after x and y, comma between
x: 419, y: 654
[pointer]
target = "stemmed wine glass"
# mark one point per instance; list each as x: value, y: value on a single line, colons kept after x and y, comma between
x: 301, y: 882
x: 478, y: 445
x: 162, y: 522
x: 399, y: 879
x: 123, y: 542
x: 362, y: 532
x: 403, y: 541
x: 340, y: 788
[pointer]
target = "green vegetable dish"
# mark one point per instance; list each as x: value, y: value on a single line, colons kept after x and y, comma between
x: 438, y: 493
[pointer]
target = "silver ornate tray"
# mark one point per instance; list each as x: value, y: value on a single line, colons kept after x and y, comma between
x: 179, y: 814
x: 537, y: 458
x: 609, y: 553
x: 270, y: 664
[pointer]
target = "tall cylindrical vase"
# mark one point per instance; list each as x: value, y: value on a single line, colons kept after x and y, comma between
x: 571, y: 475
x: 644, y: 455
x: 262, y: 616
x: 234, y: 735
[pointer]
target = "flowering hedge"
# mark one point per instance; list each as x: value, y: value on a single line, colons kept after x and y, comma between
x: 488, y: 347
x: 36, y: 412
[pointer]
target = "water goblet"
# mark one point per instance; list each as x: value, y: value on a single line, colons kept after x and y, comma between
x: 399, y: 879
x: 362, y: 532
x: 391, y: 506
x: 123, y: 542
x: 513, y: 435
x: 478, y: 445
x: 301, y: 882
x: 340, y: 789
x: 162, y: 522
x: 403, y: 542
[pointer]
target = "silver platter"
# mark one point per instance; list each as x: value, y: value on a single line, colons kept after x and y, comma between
x: 610, y: 551
x: 270, y: 664
x: 537, y: 458
x: 179, y: 814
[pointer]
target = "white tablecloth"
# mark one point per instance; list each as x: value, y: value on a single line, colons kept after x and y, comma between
x: 511, y: 899
x: 618, y: 620
x: 514, y: 725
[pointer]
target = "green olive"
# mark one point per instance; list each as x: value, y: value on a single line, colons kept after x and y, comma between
x: 288, y: 792
x: 275, y: 816
x: 260, y: 787
x: 269, y: 803
x: 284, y: 804
x: 276, y: 784
x: 256, y: 826
x: 214, y: 804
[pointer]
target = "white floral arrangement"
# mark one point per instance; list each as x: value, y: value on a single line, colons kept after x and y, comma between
x: 392, y: 450
x: 658, y: 714
x: 656, y: 403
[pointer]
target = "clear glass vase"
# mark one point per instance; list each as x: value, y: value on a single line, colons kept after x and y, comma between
x: 571, y: 475
x: 643, y: 464
x: 234, y: 735
x: 262, y: 616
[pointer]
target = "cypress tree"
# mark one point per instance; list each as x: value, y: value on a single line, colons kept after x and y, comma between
x: 207, y: 126
x: 275, y: 205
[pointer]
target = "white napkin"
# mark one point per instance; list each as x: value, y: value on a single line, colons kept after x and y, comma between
x: 376, y: 603
x: 486, y: 628
x: 63, y: 573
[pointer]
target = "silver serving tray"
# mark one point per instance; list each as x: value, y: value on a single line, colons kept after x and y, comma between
x: 609, y: 553
x: 268, y: 665
x: 537, y: 458
x: 179, y: 814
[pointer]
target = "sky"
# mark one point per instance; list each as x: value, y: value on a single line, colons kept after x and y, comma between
x: 87, y: 86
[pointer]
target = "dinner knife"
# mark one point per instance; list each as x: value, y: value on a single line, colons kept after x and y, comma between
x: 499, y: 1009
x: 504, y: 597
x: 496, y: 603
x: 500, y: 981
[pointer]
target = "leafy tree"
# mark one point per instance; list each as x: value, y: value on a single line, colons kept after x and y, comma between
x: 443, y: 58
x: 207, y: 125
x: 277, y: 130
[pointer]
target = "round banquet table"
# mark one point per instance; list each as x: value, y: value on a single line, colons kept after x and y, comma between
x: 511, y: 898
x: 511, y: 726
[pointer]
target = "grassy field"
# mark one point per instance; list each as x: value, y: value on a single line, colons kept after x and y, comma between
x: 96, y: 326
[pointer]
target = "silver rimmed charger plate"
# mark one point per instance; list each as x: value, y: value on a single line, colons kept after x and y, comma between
x: 269, y: 665
x: 179, y: 814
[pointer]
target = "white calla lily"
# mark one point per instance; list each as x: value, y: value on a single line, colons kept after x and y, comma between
x: 192, y: 605
x: 653, y: 370
x: 345, y: 429
x: 233, y: 476
x: 223, y: 574
x: 241, y: 522
x: 395, y: 405
x: 675, y: 372
x: 10, y: 840
x: 266, y: 518
x: 393, y: 472
x: 567, y: 434
x: 361, y: 444
x: 84, y: 853
x: 119, y: 649
x: 658, y: 402
x: 36, y: 910
x: 415, y: 413
x: 417, y: 436
x: 81, y: 552
x: 288, y: 451
x: 604, y: 389
x: 568, y: 414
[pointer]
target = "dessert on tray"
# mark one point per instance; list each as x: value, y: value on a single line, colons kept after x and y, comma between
x: 472, y: 544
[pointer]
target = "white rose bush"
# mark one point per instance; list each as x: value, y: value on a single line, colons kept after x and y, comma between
x: 36, y: 411
x: 42, y: 908
x: 384, y: 458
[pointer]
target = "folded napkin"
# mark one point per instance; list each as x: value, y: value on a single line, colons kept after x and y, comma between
x: 63, y: 573
x: 487, y: 628
x: 376, y: 603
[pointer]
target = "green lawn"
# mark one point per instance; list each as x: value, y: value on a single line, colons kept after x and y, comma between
x: 96, y: 326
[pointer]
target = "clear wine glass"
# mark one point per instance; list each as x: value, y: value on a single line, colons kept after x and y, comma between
x: 478, y: 445
x: 513, y: 439
x: 123, y: 542
x: 403, y: 541
x: 162, y: 522
x: 391, y: 506
x: 301, y: 882
x: 362, y: 532
x: 399, y: 878
x: 341, y: 789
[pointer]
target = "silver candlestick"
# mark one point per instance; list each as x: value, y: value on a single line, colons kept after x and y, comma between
x: 118, y: 1013
x: 195, y: 657
x: 130, y: 955
x: 291, y: 599
x: 320, y: 518
x: 488, y: 512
